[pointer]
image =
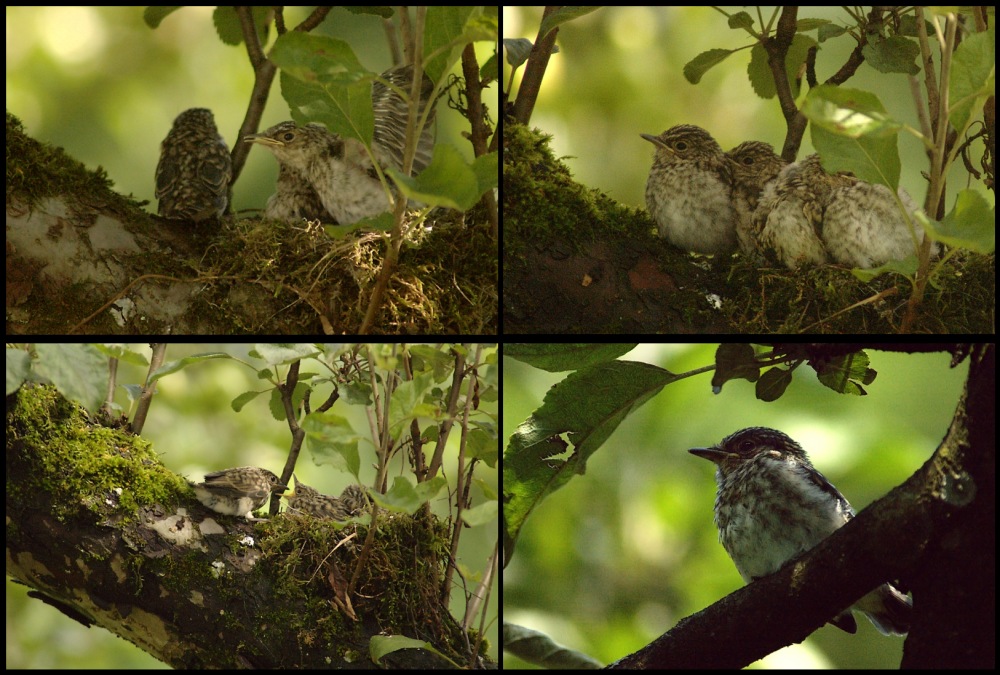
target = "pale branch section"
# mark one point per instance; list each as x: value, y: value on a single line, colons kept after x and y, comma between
x: 98, y: 527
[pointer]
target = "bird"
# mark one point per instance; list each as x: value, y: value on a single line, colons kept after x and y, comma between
x: 355, y: 499
x: 331, y: 165
x: 324, y: 176
x: 294, y: 198
x: 238, y: 491
x: 309, y: 501
x: 688, y: 192
x: 789, y: 216
x: 194, y: 171
x: 391, y: 111
x: 753, y: 165
x: 863, y: 226
x: 807, y: 215
x: 772, y: 506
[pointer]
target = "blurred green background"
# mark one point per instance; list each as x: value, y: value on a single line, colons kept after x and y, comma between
x: 622, y: 553
x: 619, y: 73
x: 102, y: 84
x: 194, y: 430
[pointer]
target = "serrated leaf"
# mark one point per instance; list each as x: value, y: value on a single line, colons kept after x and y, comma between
x: 894, y: 54
x: 803, y: 25
x: 740, y: 20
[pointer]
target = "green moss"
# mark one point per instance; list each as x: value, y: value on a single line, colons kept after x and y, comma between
x: 542, y: 202
x: 37, y: 170
x: 96, y: 475
x: 78, y: 467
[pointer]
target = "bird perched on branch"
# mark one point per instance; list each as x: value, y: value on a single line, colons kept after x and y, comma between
x: 323, y: 175
x: 238, y: 491
x: 772, y: 506
x: 807, y: 215
x: 688, y: 191
x: 754, y: 165
x: 193, y: 174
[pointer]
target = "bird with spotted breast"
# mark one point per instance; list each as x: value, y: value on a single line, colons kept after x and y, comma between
x: 195, y: 168
x: 754, y: 164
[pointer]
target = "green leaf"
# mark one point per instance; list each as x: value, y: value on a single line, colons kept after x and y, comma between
x: 518, y: 50
x: 772, y: 384
x: 852, y: 131
x: 973, y: 76
x: 741, y: 20
x: 380, y: 645
x: 323, y: 81
x: 732, y: 362
x: 845, y: 374
x: 701, y: 64
x: 587, y: 407
x: 449, y: 180
x: 557, y: 357
x: 759, y: 70
x: 894, y: 54
x: 562, y: 15
x: 971, y: 224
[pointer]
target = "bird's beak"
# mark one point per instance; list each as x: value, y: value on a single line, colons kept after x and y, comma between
x: 262, y: 139
x: 657, y: 142
x: 292, y: 493
x: 711, y: 454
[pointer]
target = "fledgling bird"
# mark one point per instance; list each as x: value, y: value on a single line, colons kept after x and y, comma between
x: 331, y: 165
x: 772, y: 506
x: 688, y: 191
x: 863, y: 226
x: 355, y: 499
x: 294, y: 199
x: 308, y: 500
x: 193, y: 174
x: 754, y: 164
x: 324, y: 176
x: 807, y: 215
x: 789, y: 216
x: 238, y: 491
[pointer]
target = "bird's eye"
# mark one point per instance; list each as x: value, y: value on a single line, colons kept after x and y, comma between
x: 746, y: 446
x: 748, y: 161
x: 680, y: 145
x: 288, y: 136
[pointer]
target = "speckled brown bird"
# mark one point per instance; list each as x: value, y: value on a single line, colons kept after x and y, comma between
x: 331, y: 165
x: 789, y: 215
x: 238, y: 491
x: 754, y: 164
x: 322, y: 175
x: 309, y: 501
x: 809, y: 216
x: 355, y: 499
x: 294, y: 199
x: 863, y: 226
x: 688, y: 191
x: 193, y: 174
